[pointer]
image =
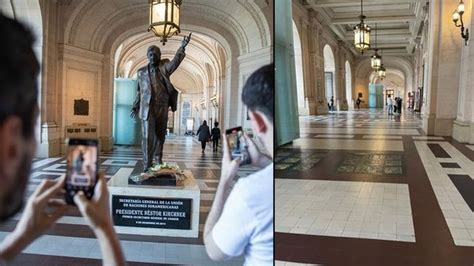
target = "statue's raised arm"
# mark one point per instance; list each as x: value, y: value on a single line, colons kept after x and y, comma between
x: 186, y: 40
x: 180, y: 54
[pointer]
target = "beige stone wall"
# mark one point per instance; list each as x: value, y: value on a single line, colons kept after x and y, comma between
x: 314, y: 34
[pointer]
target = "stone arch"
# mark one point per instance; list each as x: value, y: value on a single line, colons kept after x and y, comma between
x: 348, y: 85
x: 395, y: 65
x: 242, y: 32
x: 205, y: 66
x: 226, y: 58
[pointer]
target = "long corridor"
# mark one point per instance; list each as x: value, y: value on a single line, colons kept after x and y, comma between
x: 365, y: 188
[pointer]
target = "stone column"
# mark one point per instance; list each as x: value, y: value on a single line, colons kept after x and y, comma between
x: 463, y: 126
x: 231, y: 92
x: 443, y: 70
x: 220, y: 97
x: 49, y: 135
x: 318, y: 73
x: 340, y: 78
x: 309, y: 51
x: 105, y: 118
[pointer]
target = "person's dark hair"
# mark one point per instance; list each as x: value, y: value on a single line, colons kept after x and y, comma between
x: 259, y: 89
x: 216, y: 124
x: 204, y: 123
x: 18, y: 71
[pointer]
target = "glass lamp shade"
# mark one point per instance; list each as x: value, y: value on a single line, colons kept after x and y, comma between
x: 456, y: 16
x: 381, y: 72
x: 362, y: 36
x: 461, y: 8
x: 164, y: 18
x: 376, y: 61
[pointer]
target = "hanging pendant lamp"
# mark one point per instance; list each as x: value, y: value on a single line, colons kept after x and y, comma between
x: 381, y: 72
x: 376, y: 60
x: 164, y: 18
x: 362, y: 32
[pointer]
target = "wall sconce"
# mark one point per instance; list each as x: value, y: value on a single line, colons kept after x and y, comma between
x: 214, y: 102
x: 457, y: 16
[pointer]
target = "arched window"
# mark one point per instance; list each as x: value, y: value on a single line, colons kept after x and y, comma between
x: 329, y: 72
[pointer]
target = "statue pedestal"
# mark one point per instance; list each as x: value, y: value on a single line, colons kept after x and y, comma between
x: 156, y: 210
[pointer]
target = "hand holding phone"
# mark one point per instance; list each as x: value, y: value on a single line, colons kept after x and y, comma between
x: 82, y: 166
x: 238, y: 145
x: 96, y: 210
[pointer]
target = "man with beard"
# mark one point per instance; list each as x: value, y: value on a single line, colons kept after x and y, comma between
x: 18, y: 114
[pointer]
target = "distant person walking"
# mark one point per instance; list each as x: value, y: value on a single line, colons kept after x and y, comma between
x: 332, y: 103
x: 216, y: 135
x: 390, y: 105
x: 358, y: 103
x: 204, y: 134
x: 399, y: 105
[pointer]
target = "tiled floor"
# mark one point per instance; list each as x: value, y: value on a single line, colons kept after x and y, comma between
x: 455, y: 202
x: 381, y: 193
x: 343, y: 208
x: 72, y: 242
x: 348, y: 144
x: 370, y: 163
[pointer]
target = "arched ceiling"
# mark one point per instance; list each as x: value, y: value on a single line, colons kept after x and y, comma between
x: 240, y: 26
x: 402, y: 64
x: 198, y: 70
x: 394, y: 79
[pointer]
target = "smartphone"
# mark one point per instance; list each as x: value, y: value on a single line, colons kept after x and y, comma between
x: 82, y: 168
x: 238, y: 145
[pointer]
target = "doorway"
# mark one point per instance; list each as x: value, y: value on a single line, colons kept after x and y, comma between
x: 376, y: 99
x: 390, y: 93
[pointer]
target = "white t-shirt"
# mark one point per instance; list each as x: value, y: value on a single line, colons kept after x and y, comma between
x: 246, y: 223
x: 389, y: 101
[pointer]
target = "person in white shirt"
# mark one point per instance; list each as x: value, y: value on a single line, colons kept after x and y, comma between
x: 390, y: 105
x: 241, y: 218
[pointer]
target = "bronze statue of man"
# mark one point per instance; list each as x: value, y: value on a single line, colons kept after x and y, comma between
x: 155, y: 94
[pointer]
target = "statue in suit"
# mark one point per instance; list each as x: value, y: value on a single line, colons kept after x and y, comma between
x: 155, y: 94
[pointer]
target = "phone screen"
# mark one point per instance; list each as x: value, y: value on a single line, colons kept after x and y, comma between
x: 238, y: 145
x: 82, y: 167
